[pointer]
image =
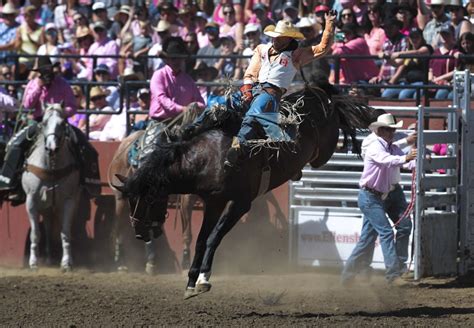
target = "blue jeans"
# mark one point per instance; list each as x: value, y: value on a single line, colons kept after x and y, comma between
x: 444, y: 94
x: 402, y: 93
x: 375, y: 223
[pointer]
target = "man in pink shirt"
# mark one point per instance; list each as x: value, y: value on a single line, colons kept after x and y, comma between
x: 47, y: 88
x: 172, y: 89
x: 103, y: 46
x: 354, y: 70
x: 381, y: 161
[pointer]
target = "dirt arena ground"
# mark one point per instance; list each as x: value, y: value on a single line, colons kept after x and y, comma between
x: 85, y: 298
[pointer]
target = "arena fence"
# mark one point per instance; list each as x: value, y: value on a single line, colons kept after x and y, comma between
x: 325, y: 221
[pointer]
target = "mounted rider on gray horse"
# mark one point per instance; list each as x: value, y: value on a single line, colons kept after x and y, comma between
x: 47, y: 88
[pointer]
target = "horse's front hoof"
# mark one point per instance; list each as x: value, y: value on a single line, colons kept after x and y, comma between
x: 33, y: 268
x: 122, y: 268
x: 189, y: 292
x: 150, y: 269
x: 66, y: 269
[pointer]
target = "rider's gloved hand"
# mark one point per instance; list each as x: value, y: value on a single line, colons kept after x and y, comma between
x: 246, y: 90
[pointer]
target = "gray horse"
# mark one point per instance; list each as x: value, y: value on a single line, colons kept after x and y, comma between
x: 51, y: 182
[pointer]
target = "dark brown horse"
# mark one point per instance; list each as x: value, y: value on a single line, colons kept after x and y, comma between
x: 196, y: 167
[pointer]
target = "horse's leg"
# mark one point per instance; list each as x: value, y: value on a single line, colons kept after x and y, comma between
x: 48, y: 236
x: 68, y: 212
x: 230, y: 217
x: 187, y: 204
x: 211, y: 212
x: 150, y: 257
x: 33, y: 216
x: 121, y: 207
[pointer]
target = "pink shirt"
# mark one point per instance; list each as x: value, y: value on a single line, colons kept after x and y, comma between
x: 375, y: 40
x: 380, y: 162
x: 355, y: 69
x: 58, y: 91
x: 105, y: 47
x: 171, y: 93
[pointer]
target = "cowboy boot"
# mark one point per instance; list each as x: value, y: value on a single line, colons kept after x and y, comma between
x: 233, y: 154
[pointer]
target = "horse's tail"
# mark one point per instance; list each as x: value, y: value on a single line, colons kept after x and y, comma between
x: 354, y: 115
x: 151, y: 178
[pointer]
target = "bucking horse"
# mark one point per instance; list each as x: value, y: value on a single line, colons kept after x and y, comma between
x: 196, y: 166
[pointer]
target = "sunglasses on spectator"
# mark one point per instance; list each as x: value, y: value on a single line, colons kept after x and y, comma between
x: 101, y: 73
x: 306, y: 30
x: 436, y: 7
x: 7, y: 74
x: 97, y: 98
x: 251, y: 34
x: 321, y: 13
x: 228, y: 13
x: 346, y: 15
x: 211, y: 29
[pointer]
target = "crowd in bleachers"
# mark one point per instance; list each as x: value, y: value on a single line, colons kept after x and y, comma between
x: 133, y: 32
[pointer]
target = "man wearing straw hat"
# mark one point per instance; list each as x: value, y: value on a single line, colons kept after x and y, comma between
x: 268, y: 76
x: 8, y: 29
x: 382, y: 160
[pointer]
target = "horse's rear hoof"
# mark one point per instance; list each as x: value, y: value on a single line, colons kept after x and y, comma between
x: 122, y: 268
x: 66, y: 269
x: 203, y: 288
x: 150, y: 269
x: 33, y: 268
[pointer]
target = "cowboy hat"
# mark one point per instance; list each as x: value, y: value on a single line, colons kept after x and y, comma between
x: 97, y: 92
x: 83, y: 31
x: 9, y: 9
x: 124, y: 9
x: 173, y: 46
x: 162, y: 26
x: 43, y: 64
x: 130, y: 75
x: 283, y: 28
x: 204, y: 68
x: 387, y: 121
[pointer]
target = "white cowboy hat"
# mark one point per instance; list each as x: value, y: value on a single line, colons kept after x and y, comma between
x: 283, y: 28
x: 385, y: 120
x: 9, y: 9
x: 439, y: 2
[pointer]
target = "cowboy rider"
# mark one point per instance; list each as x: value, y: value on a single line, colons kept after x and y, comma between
x: 47, y: 87
x: 269, y: 75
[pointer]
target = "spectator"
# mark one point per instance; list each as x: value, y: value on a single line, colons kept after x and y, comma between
x: 290, y: 11
x: 99, y: 14
x: 374, y: 35
x: 169, y: 13
x: 205, y: 73
x: 80, y: 20
x: 307, y: 28
x: 99, y: 103
x: 360, y: 9
x: 347, y: 16
x: 141, y: 46
x: 395, y: 42
x: 251, y: 40
x: 64, y: 20
x: 430, y: 31
x: 201, y: 20
x: 171, y: 88
x: 231, y: 27
x: 354, y: 70
x: 187, y: 22
x: 140, y: 121
x: 466, y: 47
x: 84, y: 41
x: 103, y: 46
x: 405, y: 15
x: 193, y: 47
x: 29, y: 38
x: 8, y: 32
x: 102, y: 74
x: 460, y: 23
x: 261, y: 16
x: 214, y: 47
x: 218, y: 15
x: 50, y: 46
x: 78, y: 120
x: 229, y: 68
x: 413, y: 70
x: 319, y: 12
x: 120, y: 19
x: 163, y: 30
x: 442, y: 69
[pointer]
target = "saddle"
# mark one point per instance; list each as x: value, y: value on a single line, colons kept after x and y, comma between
x: 144, y: 145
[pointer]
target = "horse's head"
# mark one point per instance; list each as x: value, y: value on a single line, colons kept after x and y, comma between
x: 147, y: 213
x: 54, y: 125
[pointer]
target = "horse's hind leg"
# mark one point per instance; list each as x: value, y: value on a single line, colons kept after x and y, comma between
x: 231, y: 216
x: 33, y: 216
x: 211, y: 213
x: 186, y: 211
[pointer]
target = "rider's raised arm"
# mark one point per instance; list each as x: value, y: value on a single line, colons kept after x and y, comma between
x: 251, y: 74
x: 302, y: 56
